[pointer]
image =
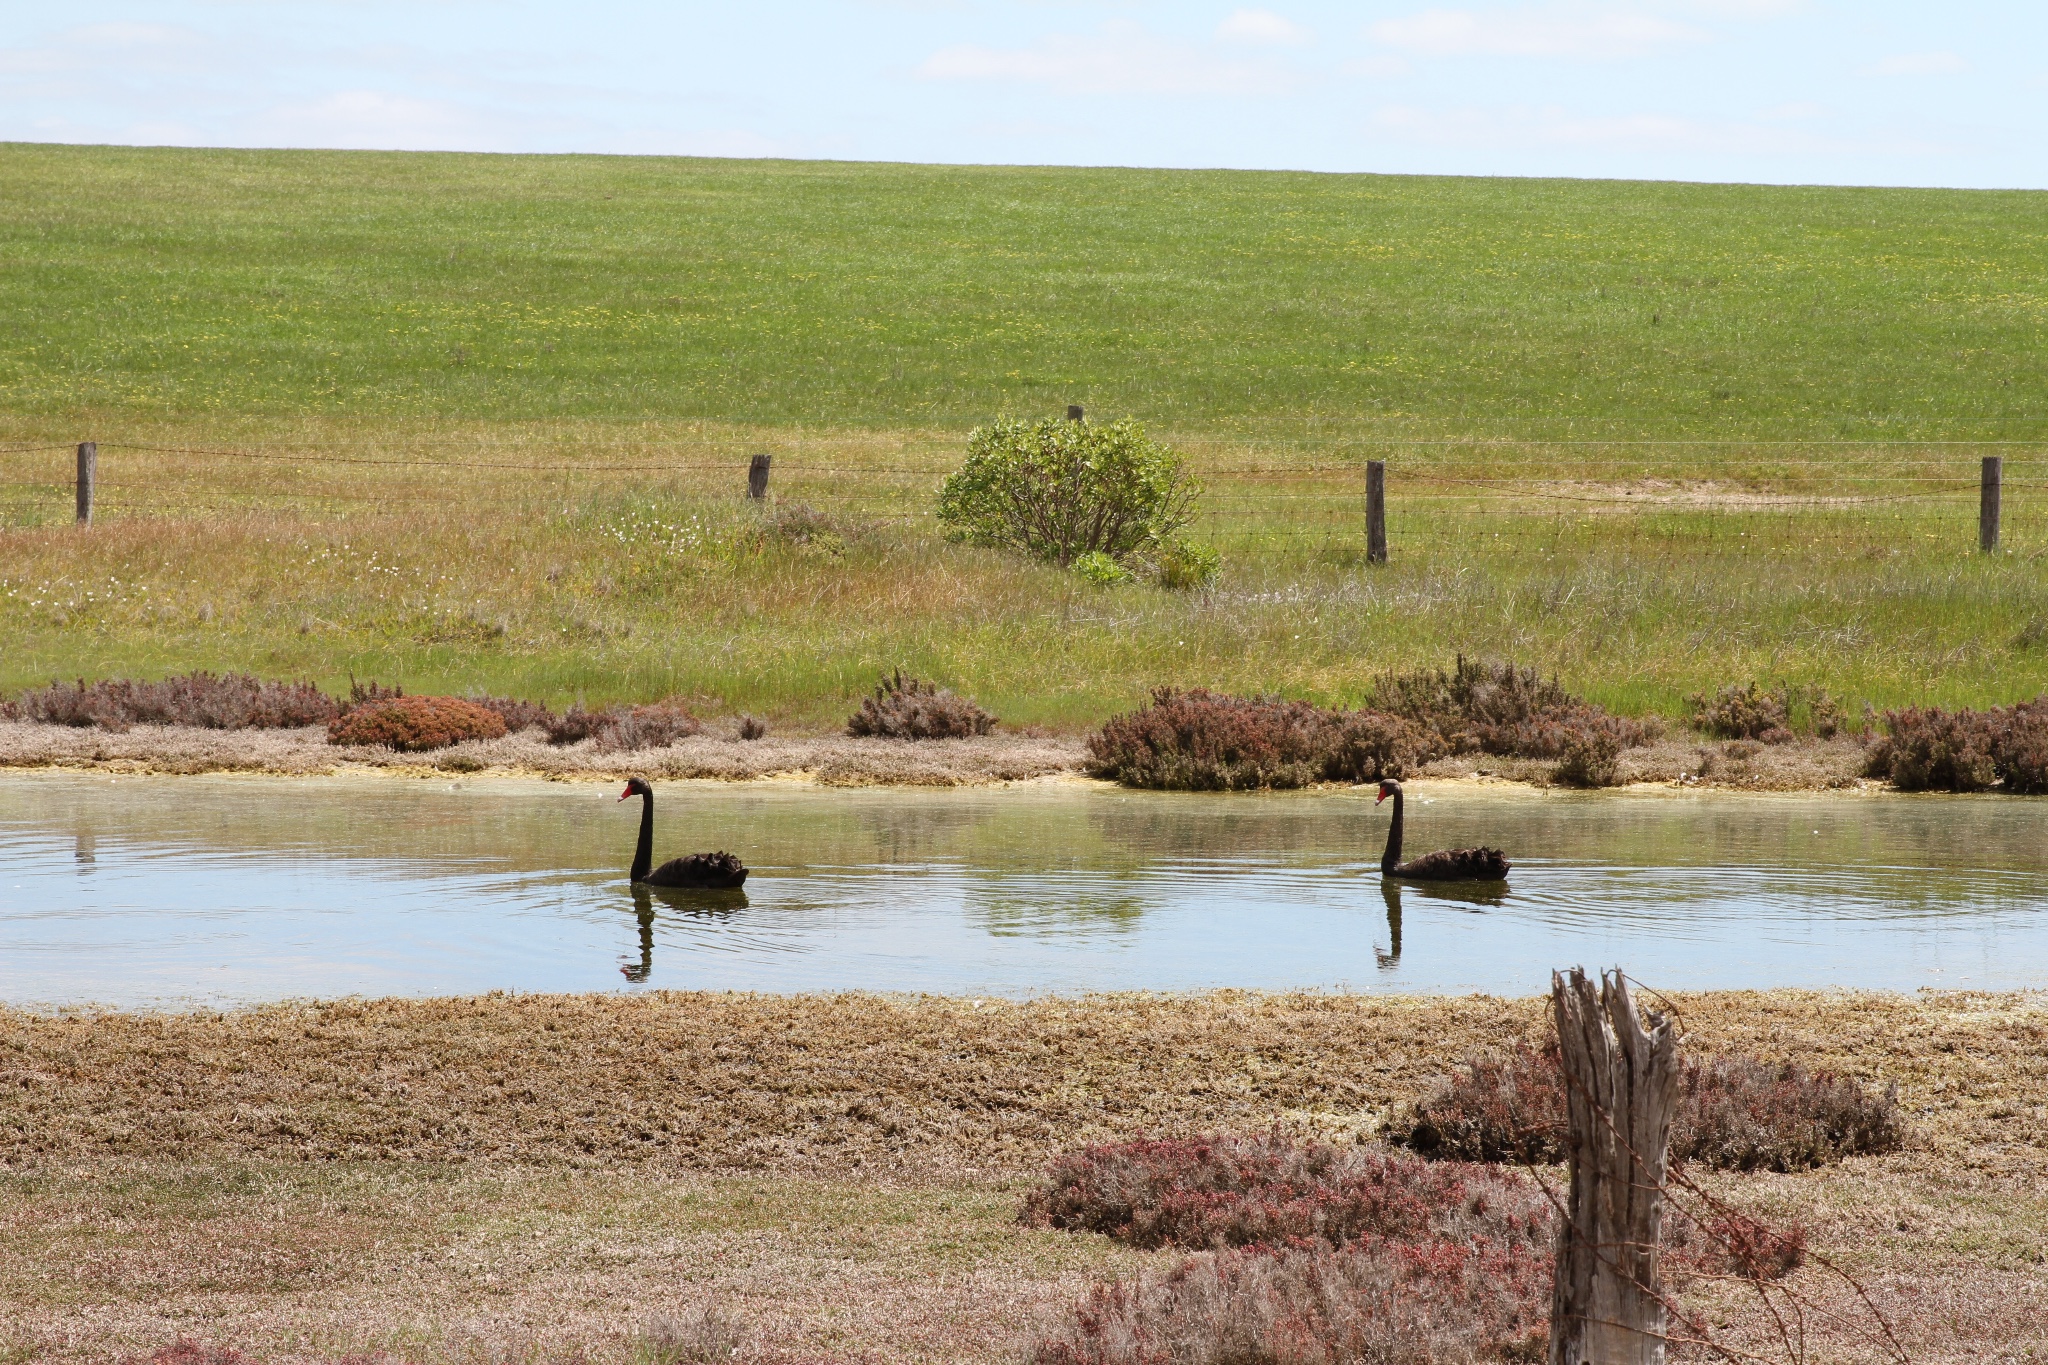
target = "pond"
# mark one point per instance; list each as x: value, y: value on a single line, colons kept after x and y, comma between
x: 169, y: 890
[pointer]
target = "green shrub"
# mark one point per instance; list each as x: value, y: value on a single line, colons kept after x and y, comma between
x: 1059, y: 490
x: 414, y: 724
x: 1099, y: 569
x: 1185, y: 568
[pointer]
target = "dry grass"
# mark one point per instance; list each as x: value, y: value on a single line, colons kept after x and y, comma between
x: 520, y: 1176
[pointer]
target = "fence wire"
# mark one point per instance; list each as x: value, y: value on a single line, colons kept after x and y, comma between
x: 1310, y: 500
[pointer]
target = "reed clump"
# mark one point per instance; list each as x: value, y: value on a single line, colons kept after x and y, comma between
x: 1734, y: 1112
x: 911, y: 708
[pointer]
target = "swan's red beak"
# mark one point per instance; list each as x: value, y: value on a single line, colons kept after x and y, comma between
x: 1377, y: 799
x: 626, y: 793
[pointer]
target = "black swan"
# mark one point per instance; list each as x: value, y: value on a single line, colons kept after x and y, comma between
x: 1451, y: 865
x: 705, y: 871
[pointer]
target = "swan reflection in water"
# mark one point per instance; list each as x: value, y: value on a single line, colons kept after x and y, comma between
x: 1477, y: 894
x: 696, y: 904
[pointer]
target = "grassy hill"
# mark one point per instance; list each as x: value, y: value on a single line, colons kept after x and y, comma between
x: 1321, y: 307
x: 479, y: 421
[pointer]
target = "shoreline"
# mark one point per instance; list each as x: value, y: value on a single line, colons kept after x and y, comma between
x: 1804, y: 765
x: 541, y: 1178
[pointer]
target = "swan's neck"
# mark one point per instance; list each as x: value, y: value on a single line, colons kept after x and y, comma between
x: 643, y: 856
x: 1391, y: 859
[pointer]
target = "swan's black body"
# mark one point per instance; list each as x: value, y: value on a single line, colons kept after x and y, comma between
x: 1451, y: 865
x: 696, y: 871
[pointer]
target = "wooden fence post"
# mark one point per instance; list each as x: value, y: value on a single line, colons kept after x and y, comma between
x: 1621, y: 1087
x: 1987, y: 503
x: 1074, y: 413
x: 88, y: 475
x: 1375, y: 511
x: 757, y: 477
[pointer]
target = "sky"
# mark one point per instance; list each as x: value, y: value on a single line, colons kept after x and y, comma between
x: 1880, y: 92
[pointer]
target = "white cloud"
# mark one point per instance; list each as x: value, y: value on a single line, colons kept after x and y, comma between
x: 1744, y: 9
x: 1552, y: 126
x: 1122, y: 59
x: 1919, y: 64
x: 1381, y: 68
x: 1552, y: 31
x: 377, y: 119
x: 1260, y: 26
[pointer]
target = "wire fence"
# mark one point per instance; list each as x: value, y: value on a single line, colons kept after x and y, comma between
x: 1502, y: 489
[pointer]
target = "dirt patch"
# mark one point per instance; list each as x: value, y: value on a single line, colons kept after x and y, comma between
x: 1802, y: 765
x: 305, y: 752
x: 909, y: 1085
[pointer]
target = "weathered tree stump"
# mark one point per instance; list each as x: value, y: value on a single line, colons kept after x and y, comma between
x: 1621, y: 1083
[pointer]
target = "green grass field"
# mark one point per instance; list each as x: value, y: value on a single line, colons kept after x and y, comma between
x: 468, y: 421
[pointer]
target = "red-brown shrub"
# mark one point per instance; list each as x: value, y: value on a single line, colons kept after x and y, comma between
x: 1590, y: 758
x: 1728, y: 1244
x: 1744, y: 713
x: 646, y: 727
x: 616, y: 729
x: 415, y: 724
x: 1494, y: 1108
x: 1502, y: 709
x: 235, y: 701
x: 577, y: 724
x: 1211, y: 1192
x: 1963, y: 750
x: 1365, y: 746
x: 1736, y: 1113
x: 1931, y: 749
x: 910, y: 708
x: 187, y: 1352
x: 2019, y: 747
x: 1377, y: 1303
x: 517, y: 715
x: 1197, y: 740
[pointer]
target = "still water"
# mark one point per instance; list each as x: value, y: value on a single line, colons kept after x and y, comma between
x: 137, y: 891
